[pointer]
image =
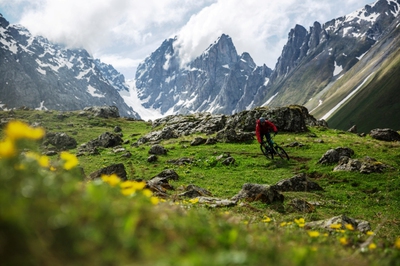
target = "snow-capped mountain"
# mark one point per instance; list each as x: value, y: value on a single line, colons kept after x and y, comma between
x: 218, y: 81
x: 39, y: 74
x: 316, y: 69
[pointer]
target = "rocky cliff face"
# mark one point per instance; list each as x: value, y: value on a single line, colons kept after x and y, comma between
x: 38, y: 74
x: 218, y: 81
x: 312, y: 60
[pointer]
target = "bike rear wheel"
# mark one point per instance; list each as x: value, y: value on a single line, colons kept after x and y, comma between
x: 267, y: 151
x: 281, y: 152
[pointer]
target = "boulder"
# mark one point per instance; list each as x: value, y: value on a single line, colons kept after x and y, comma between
x: 297, y: 183
x: 118, y: 169
x: 103, y: 111
x: 366, y: 165
x: 385, y: 134
x: 334, y: 155
x: 157, y: 150
x: 60, y: 140
x: 341, y: 220
x: 192, y: 191
x: 256, y: 192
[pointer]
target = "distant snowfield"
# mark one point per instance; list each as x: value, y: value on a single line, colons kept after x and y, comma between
x: 328, y: 114
x: 133, y: 101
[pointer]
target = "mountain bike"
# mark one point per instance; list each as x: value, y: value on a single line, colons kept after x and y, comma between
x: 269, y: 151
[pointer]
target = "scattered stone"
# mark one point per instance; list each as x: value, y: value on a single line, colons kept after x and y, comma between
x: 152, y: 158
x: 365, y: 166
x: 256, y: 192
x: 343, y: 220
x: 117, y: 129
x: 192, y: 191
x: 118, y: 169
x: 198, y: 141
x: 216, y: 202
x: 181, y: 161
x: 385, y: 134
x: 334, y: 155
x: 302, y: 206
x: 60, y: 140
x: 294, y: 144
x: 353, y: 129
x: 157, y: 150
x: 127, y: 155
x: 298, y: 182
x: 103, y: 111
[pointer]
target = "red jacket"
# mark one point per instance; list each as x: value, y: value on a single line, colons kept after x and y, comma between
x: 263, y: 129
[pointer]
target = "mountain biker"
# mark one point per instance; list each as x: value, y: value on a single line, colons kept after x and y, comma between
x: 263, y: 128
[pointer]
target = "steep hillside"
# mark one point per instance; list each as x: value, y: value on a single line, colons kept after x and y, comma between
x: 374, y: 86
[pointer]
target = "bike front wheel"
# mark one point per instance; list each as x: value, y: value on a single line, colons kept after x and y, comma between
x: 267, y: 151
x: 282, y: 153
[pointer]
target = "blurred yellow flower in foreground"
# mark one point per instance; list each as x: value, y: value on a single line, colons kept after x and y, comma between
x: 350, y: 227
x: 266, y: 219
x: 343, y: 241
x: 397, y: 243
x: 70, y: 160
x: 335, y: 226
x: 7, y: 148
x: 129, y: 187
x: 112, y: 179
x: 372, y: 246
x: 19, y: 130
x: 41, y: 159
x: 313, y: 233
x: 300, y: 222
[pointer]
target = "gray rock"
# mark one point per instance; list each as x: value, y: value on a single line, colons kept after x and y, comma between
x: 256, y: 192
x: 298, y: 182
x: 157, y: 150
x: 118, y: 169
x: 385, y: 134
x: 342, y: 220
x: 60, y: 140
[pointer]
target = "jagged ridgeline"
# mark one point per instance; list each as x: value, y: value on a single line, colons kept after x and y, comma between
x: 39, y: 74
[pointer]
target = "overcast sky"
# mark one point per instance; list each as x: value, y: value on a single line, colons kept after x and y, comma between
x: 124, y: 32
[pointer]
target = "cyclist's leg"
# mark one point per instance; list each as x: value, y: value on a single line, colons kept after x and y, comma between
x: 268, y: 136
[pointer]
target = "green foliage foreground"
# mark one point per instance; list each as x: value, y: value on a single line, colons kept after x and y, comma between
x: 50, y: 216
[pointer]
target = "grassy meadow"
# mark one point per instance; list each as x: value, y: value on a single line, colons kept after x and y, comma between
x: 50, y: 215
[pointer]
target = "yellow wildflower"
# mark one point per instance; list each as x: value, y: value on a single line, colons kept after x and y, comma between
x: 397, y: 243
x: 154, y: 200
x: 147, y: 192
x: 370, y: 233
x: 112, y: 180
x: 372, y: 246
x: 335, y: 226
x: 343, y: 241
x: 20, y: 130
x: 130, y: 187
x: 283, y: 224
x: 194, y: 201
x: 41, y: 159
x: 300, y: 222
x: 350, y: 227
x: 70, y: 160
x: 313, y: 233
x: 266, y: 219
x: 7, y: 148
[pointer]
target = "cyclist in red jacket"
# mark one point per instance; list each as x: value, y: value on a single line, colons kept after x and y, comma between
x: 263, y: 128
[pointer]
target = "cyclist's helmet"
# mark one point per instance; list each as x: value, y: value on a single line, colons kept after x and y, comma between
x: 262, y: 119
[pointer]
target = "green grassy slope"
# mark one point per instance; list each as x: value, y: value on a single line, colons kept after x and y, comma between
x: 379, y: 102
x: 54, y: 218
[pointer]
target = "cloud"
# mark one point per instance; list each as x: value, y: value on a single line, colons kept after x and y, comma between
x: 255, y: 26
x: 131, y: 29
